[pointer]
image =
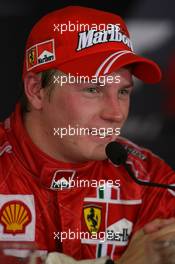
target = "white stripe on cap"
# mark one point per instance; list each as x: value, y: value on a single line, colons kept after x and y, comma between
x: 116, y: 55
x: 116, y: 58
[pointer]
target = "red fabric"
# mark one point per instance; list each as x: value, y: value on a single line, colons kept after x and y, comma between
x: 82, y: 51
x: 26, y: 170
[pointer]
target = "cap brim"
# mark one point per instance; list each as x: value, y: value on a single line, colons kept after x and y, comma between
x: 144, y: 69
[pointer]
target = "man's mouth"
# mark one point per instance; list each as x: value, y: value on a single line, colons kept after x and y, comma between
x: 98, y: 133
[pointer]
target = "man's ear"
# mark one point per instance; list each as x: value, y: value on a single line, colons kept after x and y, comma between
x: 33, y: 90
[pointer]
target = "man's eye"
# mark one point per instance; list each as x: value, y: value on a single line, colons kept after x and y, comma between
x: 125, y: 92
x: 92, y: 90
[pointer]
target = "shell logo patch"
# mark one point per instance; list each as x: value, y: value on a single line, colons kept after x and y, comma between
x: 92, y: 217
x: 40, y: 53
x: 15, y: 216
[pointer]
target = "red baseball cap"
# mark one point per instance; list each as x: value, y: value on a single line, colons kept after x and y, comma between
x: 84, y: 42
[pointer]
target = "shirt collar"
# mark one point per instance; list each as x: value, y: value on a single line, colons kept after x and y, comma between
x: 34, y: 160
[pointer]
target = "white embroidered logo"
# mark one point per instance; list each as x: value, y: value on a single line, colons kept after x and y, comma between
x: 6, y: 147
x: 92, y: 37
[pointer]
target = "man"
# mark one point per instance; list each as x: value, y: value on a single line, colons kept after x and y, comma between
x: 57, y: 186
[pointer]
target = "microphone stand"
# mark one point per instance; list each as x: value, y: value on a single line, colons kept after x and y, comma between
x: 150, y: 184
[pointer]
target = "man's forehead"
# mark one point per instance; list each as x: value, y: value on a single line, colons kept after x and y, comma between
x: 122, y: 75
x: 127, y: 69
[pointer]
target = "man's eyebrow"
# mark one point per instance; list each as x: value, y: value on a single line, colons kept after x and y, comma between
x: 89, y: 84
x: 99, y: 84
x: 129, y: 85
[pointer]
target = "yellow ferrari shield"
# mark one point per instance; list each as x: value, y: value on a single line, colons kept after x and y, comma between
x: 92, y: 216
x: 32, y: 57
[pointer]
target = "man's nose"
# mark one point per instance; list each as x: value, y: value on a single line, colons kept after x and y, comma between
x: 112, y: 110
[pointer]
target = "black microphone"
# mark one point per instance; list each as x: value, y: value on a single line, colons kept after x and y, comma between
x: 118, y: 155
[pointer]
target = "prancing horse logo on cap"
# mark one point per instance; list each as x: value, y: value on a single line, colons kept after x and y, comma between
x: 41, y: 53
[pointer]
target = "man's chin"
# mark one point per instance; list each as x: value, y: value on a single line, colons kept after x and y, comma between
x: 96, y: 153
x: 90, y: 150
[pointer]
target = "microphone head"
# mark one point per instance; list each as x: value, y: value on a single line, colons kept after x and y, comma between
x: 116, y: 153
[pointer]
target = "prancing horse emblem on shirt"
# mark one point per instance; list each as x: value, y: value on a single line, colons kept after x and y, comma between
x: 92, y: 217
